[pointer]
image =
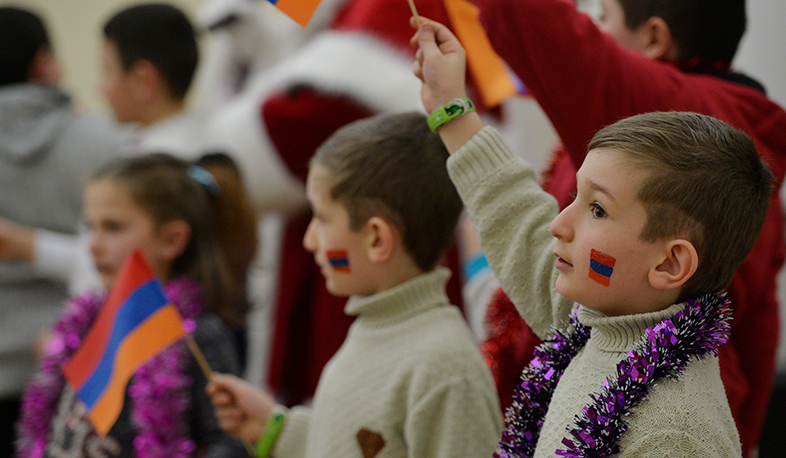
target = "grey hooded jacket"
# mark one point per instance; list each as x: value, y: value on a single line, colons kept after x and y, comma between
x: 46, y: 154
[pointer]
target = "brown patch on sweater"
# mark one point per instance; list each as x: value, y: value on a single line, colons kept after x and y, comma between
x: 370, y: 443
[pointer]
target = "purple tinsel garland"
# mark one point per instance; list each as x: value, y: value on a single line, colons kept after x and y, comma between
x: 696, y: 331
x: 158, y: 390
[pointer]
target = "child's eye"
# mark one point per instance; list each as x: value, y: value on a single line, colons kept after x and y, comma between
x: 597, y: 210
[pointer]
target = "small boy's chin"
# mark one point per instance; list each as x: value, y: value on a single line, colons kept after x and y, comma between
x: 337, y: 289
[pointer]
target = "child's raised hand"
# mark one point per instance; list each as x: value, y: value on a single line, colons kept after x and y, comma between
x: 241, y: 408
x: 440, y: 63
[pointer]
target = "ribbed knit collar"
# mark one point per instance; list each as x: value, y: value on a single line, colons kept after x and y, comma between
x: 403, y: 301
x: 619, y: 333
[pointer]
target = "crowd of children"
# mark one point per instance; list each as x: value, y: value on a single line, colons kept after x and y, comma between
x: 645, y: 262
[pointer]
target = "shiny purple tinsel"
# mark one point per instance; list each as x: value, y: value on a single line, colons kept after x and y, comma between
x: 696, y: 331
x: 158, y: 389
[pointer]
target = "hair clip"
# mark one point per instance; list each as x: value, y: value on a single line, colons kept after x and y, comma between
x: 205, y: 178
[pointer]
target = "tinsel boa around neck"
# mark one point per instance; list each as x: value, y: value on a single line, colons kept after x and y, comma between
x: 158, y: 391
x: 696, y: 331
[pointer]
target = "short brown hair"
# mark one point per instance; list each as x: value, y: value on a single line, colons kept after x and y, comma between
x: 706, y: 183
x: 392, y: 166
x: 161, y: 34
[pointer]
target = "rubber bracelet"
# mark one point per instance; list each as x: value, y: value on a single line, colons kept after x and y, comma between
x: 449, y: 111
x: 272, y: 428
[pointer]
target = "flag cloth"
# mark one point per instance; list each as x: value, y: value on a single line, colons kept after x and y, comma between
x: 495, y: 82
x: 299, y: 10
x: 135, y: 323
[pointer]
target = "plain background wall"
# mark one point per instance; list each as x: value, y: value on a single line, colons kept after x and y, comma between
x: 75, y: 28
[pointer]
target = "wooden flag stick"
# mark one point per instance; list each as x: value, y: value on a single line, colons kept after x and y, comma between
x: 200, y: 357
x: 414, y: 12
x: 203, y: 364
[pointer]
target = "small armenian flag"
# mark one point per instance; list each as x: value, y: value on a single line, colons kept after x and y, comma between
x: 136, y: 322
x: 601, y: 267
x: 339, y: 260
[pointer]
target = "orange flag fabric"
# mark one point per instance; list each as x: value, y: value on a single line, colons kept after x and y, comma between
x: 493, y: 79
x: 136, y: 323
x: 299, y: 10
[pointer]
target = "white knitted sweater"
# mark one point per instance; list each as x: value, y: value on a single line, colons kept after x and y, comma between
x: 407, y: 382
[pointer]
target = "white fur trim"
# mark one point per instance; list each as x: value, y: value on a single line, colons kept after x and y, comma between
x: 357, y: 65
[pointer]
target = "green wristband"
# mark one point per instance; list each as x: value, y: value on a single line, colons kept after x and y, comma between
x: 449, y: 111
x: 273, y: 426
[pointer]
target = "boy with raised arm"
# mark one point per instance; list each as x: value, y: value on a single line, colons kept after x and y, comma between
x: 641, y: 56
x: 642, y: 254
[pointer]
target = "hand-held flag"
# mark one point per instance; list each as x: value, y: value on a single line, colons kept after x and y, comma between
x: 495, y: 82
x: 299, y: 10
x: 136, y: 323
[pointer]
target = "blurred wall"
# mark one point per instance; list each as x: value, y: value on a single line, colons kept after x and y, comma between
x: 75, y: 28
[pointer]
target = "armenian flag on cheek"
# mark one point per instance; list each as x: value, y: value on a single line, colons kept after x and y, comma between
x: 339, y: 260
x: 601, y: 267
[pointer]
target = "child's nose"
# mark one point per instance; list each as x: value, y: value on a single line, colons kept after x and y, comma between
x: 94, y: 244
x: 309, y: 241
x: 560, y: 226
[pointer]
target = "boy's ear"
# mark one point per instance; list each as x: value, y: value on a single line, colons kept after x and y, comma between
x: 174, y: 238
x: 678, y: 265
x: 148, y: 80
x: 44, y: 68
x: 658, y: 42
x: 381, y: 240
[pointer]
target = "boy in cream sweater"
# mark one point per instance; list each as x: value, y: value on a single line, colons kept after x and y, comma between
x: 668, y: 205
x: 408, y: 380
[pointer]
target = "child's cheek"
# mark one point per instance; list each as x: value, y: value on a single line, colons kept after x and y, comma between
x: 339, y: 260
x: 601, y: 267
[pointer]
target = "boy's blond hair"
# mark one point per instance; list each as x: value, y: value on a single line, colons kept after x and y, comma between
x: 706, y: 183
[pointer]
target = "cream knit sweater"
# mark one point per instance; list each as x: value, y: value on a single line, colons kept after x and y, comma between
x: 407, y: 382
x: 686, y: 417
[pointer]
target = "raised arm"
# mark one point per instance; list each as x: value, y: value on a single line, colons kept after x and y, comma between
x: 440, y: 63
x: 507, y: 206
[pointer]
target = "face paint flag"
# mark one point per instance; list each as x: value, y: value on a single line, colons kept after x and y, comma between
x: 299, y: 10
x: 339, y: 260
x: 601, y: 267
x: 135, y: 323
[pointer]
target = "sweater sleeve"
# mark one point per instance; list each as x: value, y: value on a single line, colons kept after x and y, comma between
x: 291, y: 442
x: 55, y: 253
x: 579, y: 75
x: 512, y: 215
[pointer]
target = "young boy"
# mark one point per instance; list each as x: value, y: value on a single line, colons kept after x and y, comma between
x: 150, y: 55
x: 654, y: 233
x: 659, y: 55
x: 408, y: 380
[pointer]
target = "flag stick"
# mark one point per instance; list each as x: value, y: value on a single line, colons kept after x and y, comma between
x: 414, y: 12
x: 203, y: 364
x: 200, y: 357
